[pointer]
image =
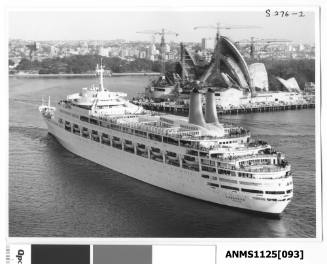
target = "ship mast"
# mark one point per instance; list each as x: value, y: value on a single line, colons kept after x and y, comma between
x: 100, y: 71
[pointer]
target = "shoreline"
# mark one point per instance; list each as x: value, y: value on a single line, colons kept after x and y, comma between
x: 83, y: 74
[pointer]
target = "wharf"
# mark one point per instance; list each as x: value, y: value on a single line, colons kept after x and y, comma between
x: 173, y: 108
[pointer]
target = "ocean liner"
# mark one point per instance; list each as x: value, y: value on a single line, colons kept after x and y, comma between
x: 196, y: 156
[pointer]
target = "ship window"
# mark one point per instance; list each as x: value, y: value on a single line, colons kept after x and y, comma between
x: 115, y: 127
x: 104, y: 124
x: 209, y: 169
x: 194, y: 167
x: 204, y: 154
x: 159, y: 89
x: 205, y: 176
x: 170, y: 141
x: 213, y: 184
x: 289, y: 191
x: 250, y: 183
x: 208, y: 162
x: 192, y: 152
x: 220, y: 171
x: 127, y: 130
x: 185, y: 143
x: 84, y: 118
x: 171, y: 154
x: 275, y: 192
x: 94, y: 121
x: 229, y: 187
x: 188, y: 158
x: 216, y: 155
x: 140, y: 133
x: 227, y: 180
x: 205, y: 161
x: 155, y: 137
x: 251, y: 191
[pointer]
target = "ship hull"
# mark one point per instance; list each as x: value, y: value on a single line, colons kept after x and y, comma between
x: 175, y: 179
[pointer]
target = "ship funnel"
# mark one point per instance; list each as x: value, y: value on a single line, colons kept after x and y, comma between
x: 195, y: 115
x: 211, y: 110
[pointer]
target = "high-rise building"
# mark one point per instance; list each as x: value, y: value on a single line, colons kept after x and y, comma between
x: 143, y: 54
x: 104, y: 51
x: 204, y: 44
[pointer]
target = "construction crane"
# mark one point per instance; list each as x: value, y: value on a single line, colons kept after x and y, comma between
x: 163, y: 34
x: 255, y: 41
x: 218, y: 27
x: 32, y: 47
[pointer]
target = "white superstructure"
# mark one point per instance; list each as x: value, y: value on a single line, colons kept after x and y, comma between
x: 196, y: 156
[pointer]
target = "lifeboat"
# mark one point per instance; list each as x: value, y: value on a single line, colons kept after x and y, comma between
x: 116, y: 140
x: 141, y: 148
x: 85, y: 132
x: 105, y: 140
x: 171, y: 156
x: 95, y: 137
x: 67, y: 126
x: 128, y: 144
x: 190, y: 160
x: 76, y: 129
x: 156, y: 154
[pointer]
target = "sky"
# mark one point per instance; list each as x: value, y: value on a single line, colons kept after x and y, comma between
x: 108, y: 25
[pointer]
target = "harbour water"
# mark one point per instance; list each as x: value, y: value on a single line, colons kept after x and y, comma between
x: 53, y: 192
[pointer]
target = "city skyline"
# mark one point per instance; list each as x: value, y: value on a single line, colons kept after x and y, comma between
x: 95, y: 25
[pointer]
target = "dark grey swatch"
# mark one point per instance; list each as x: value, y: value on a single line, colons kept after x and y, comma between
x: 122, y: 254
x: 60, y: 254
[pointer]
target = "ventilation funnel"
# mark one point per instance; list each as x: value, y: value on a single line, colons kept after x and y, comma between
x: 195, y: 115
x: 211, y: 110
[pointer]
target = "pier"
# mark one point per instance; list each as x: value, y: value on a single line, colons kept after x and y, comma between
x: 183, y: 109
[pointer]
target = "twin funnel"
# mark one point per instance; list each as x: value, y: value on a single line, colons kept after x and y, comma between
x: 211, y: 109
x: 195, y: 110
x: 195, y: 115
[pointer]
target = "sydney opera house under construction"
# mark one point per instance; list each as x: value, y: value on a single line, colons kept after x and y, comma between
x: 234, y: 81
